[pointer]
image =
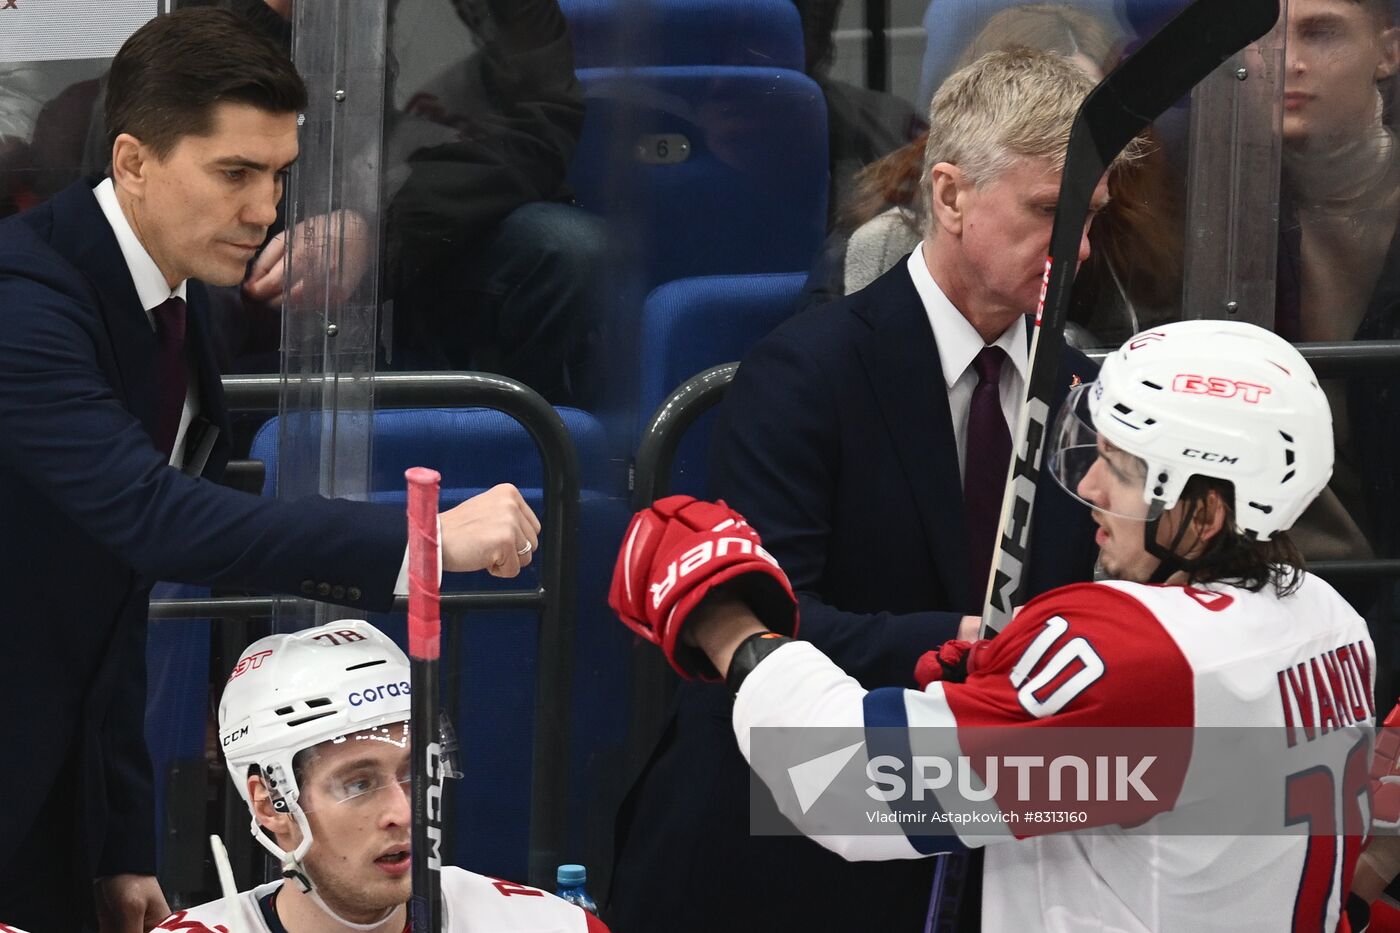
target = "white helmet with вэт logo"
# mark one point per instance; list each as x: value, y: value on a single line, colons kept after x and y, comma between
x: 1220, y: 399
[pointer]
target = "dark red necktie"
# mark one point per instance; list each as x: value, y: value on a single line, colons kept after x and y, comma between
x: 170, y: 370
x: 984, y: 474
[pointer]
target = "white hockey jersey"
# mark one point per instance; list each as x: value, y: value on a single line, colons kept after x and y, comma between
x: 1119, y: 657
x: 472, y: 903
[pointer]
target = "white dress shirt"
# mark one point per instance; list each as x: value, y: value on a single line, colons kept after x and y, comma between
x: 152, y: 291
x: 958, y: 345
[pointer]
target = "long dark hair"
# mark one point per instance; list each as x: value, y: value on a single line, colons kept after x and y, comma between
x: 1234, y: 557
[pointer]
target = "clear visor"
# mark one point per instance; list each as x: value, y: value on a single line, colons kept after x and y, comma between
x: 353, y: 769
x: 1091, y: 469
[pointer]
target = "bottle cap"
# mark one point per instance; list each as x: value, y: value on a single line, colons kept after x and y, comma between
x: 571, y: 875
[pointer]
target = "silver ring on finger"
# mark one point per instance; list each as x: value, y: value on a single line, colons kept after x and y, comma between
x: 522, y: 551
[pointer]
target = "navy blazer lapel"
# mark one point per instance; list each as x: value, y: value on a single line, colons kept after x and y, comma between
x: 82, y: 235
x: 901, y: 360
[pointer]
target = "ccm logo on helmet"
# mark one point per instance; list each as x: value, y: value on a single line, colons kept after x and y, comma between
x: 234, y: 736
x: 251, y: 663
x: 700, y: 555
x: 1208, y: 457
x: 1220, y: 387
x: 371, y: 694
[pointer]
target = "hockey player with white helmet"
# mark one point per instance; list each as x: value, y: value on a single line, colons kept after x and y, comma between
x: 314, y: 727
x: 1197, y: 447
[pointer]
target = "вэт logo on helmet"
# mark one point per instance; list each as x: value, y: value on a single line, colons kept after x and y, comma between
x: 1220, y: 387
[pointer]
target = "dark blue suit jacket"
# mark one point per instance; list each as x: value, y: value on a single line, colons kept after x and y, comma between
x: 836, y: 442
x: 90, y: 516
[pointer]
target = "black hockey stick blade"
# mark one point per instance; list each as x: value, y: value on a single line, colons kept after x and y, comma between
x: 1165, y: 69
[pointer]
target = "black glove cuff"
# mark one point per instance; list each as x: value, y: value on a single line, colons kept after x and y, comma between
x: 750, y: 652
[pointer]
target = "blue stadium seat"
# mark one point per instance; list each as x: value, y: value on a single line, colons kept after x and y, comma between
x: 473, y: 448
x: 692, y: 324
x: 759, y: 33
x: 750, y: 193
x: 494, y: 668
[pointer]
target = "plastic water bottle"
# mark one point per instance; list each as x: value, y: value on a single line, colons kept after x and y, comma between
x: 570, y: 881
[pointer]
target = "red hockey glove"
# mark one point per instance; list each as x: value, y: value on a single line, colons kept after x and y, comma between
x: 1385, y: 774
x: 951, y: 662
x: 673, y: 554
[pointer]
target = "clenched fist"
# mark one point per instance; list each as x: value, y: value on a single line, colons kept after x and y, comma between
x: 496, y: 531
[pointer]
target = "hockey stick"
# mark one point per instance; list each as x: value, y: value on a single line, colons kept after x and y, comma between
x: 224, y: 869
x: 424, y: 641
x: 1165, y: 69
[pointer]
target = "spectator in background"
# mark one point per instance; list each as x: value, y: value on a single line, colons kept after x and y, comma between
x: 1339, y: 269
x: 1133, y: 276
x: 950, y: 25
x: 488, y: 264
x: 862, y: 124
x: 45, y: 110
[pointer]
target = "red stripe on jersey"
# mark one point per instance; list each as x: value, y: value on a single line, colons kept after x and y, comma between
x: 1315, y: 887
x: 1311, y: 797
x: 595, y: 925
x: 1146, y: 680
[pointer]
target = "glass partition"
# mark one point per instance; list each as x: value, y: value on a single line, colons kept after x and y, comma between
x: 331, y: 243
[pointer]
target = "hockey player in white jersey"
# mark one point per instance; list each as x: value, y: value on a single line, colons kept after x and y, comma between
x: 314, y: 728
x: 1197, y: 447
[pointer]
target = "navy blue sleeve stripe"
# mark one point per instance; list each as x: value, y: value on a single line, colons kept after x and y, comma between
x: 886, y: 733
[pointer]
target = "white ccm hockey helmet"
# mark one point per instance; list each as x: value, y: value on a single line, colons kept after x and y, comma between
x: 1221, y: 399
x: 294, y: 691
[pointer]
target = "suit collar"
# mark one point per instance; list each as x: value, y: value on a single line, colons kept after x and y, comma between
x: 901, y: 361
x: 151, y: 287
x: 82, y: 235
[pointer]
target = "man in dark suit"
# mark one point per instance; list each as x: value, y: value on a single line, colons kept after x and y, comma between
x: 868, y: 443
x: 112, y: 425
